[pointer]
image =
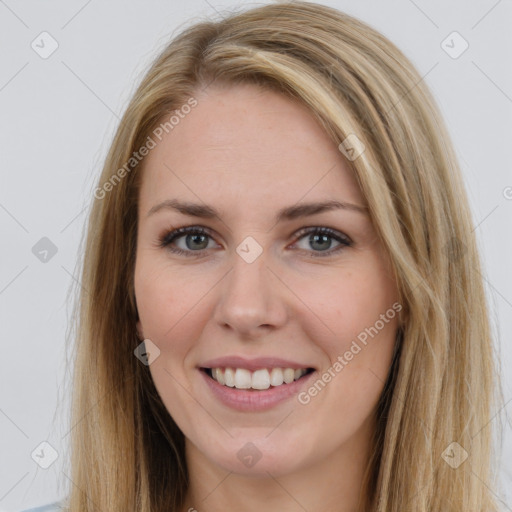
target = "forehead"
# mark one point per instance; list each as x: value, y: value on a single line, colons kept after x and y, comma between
x: 242, y: 144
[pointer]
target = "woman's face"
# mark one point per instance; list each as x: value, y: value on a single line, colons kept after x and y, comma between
x: 270, y: 289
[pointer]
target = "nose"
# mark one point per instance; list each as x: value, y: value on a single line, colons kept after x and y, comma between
x: 252, y: 299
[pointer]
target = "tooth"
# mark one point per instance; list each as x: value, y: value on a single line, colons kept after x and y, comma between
x: 229, y: 377
x: 243, y: 378
x: 276, y: 377
x: 261, y: 379
x: 288, y: 375
x: 219, y: 376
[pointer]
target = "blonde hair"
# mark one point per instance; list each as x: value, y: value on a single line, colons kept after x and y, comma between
x: 127, y: 454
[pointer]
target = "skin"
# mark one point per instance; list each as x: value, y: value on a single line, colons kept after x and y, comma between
x: 248, y: 153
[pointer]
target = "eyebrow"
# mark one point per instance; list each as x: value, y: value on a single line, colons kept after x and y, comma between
x: 289, y: 213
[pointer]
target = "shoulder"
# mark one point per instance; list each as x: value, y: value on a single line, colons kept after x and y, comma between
x: 51, y: 507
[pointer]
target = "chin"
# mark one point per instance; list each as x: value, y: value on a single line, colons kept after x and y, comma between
x: 257, y: 457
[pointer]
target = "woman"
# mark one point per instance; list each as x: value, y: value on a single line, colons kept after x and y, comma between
x: 327, y: 347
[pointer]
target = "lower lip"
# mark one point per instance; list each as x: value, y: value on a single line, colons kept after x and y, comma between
x: 246, y: 400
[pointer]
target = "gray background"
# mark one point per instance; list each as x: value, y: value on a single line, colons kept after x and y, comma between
x: 57, y: 119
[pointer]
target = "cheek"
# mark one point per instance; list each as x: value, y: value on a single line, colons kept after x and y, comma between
x: 358, y: 315
x: 349, y: 304
x: 169, y: 311
x: 166, y: 301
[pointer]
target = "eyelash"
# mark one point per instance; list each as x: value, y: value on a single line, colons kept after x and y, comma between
x: 169, y: 237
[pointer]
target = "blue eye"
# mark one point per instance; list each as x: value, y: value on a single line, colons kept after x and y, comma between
x: 196, y: 240
x: 322, y: 238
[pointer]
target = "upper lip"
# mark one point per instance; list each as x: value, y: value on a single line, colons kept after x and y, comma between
x: 252, y: 364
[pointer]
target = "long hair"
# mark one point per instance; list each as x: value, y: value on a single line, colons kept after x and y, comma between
x: 432, y: 448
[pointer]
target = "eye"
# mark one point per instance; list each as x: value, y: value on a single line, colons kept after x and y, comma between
x: 321, y: 238
x: 195, y: 239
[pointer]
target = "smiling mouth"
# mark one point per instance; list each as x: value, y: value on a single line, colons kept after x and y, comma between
x: 241, y: 378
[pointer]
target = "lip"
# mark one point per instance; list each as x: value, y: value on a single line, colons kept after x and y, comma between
x: 261, y: 400
x: 252, y: 364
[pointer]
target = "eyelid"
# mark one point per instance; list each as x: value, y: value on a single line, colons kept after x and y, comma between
x: 172, y: 234
x: 324, y: 230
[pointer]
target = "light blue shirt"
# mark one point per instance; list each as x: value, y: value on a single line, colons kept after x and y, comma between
x: 51, y: 507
